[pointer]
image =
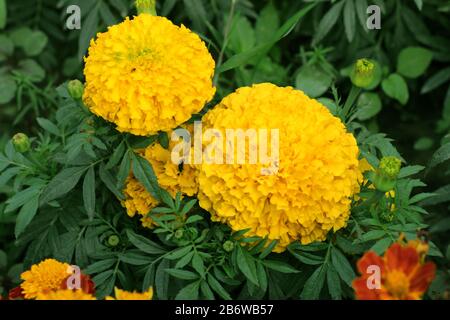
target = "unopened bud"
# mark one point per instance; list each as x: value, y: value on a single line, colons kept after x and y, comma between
x: 362, y: 73
x: 228, y: 246
x: 386, y: 174
x: 146, y: 6
x: 75, y: 88
x: 113, y: 240
x: 179, y: 234
x: 21, y: 142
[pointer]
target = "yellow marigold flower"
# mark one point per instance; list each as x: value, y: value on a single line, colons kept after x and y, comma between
x: 318, y: 169
x: 42, y: 277
x: 65, y: 294
x: 126, y: 295
x: 147, y: 75
x: 171, y: 176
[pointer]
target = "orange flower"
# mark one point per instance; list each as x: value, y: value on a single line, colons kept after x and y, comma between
x: 401, y: 274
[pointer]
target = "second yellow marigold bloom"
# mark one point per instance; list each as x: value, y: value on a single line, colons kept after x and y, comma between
x: 318, y: 170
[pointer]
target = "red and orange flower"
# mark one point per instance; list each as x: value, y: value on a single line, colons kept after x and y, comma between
x: 403, y: 274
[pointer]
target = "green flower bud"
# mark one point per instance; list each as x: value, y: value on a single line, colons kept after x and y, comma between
x: 387, y: 173
x: 228, y: 246
x: 146, y: 6
x: 75, y: 88
x: 179, y: 234
x: 362, y: 73
x: 21, y: 142
x: 113, y: 240
x: 387, y: 216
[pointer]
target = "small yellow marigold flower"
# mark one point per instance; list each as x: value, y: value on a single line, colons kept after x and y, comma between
x: 318, y: 169
x: 45, y: 276
x: 65, y: 294
x: 171, y: 176
x: 147, y: 75
x: 126, y: 295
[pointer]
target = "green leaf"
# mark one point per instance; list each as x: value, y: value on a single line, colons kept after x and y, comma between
x: 268, y: 20
x: 32, y: 70
x: 89, y: 192
x: 313, y: 80
x: 35, y: 43
x: 187, y: 207
x: 349, y: 19
x: 26, y: 214
x: 162, y: 279
x: 8, y: 88
x: 217, y: 287
x: 3, y: 13
x: 368, y: 105
x: 184, y: 260
x: 6, y: 46
x: 88, y: 30
x: 442, y: 154
x: 48, y: 126
x: 116, y: 156
x: 206, y: 290
x: 381, y: 245
x: 124, y: 170
x: 242, y: 36
x: 178, y: 253
x: 62, y: 183
x: 144, y: 244
x: 436, y: 80
x: 423, y: 143
x: 189, y: 292
x: 108, y: 180
x: 245, y: 57
x: 413, y: 61
x: 22, y: 197
x: 342, y: 266
x: 328, y: 21
x: 268, y: 249
x: 99, y: 266
x: 198, y: 265
x: 395, y: 87
x: 246, y: 264
x: 409, y: 171
x: 280, y: 266
x: 334, y: 283
x: 182, y: 274
x: 313, y: 286
x: 143, y: 171
x: 193, y: 219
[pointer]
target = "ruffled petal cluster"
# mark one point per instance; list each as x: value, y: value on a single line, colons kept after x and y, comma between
x: 402, y: 273
x: 147, y: 75
x: 43, y: 277
x: 127, y: 295
x: 317, y: 172
x: 173, y: 177
x: 65, y: 294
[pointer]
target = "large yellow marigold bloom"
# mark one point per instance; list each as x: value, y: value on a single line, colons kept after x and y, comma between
x: 65, y: 294
x: 318, y: 170
x: 126, y: 295
x: 147, y: 75
x: 43, y: 277
x: 171, y: 176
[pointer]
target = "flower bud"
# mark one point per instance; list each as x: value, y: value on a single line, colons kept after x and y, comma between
x: 21, y: 142
x: 75, y: 88
x: 113, y: 240
x: 146, y: 6
x: 228, y: 246
x: 179, y: 234
x: 386, y: 174
x: 362, y: 73
x: 387, y: 216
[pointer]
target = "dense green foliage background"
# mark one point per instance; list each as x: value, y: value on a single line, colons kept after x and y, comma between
x: 409, y: 101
